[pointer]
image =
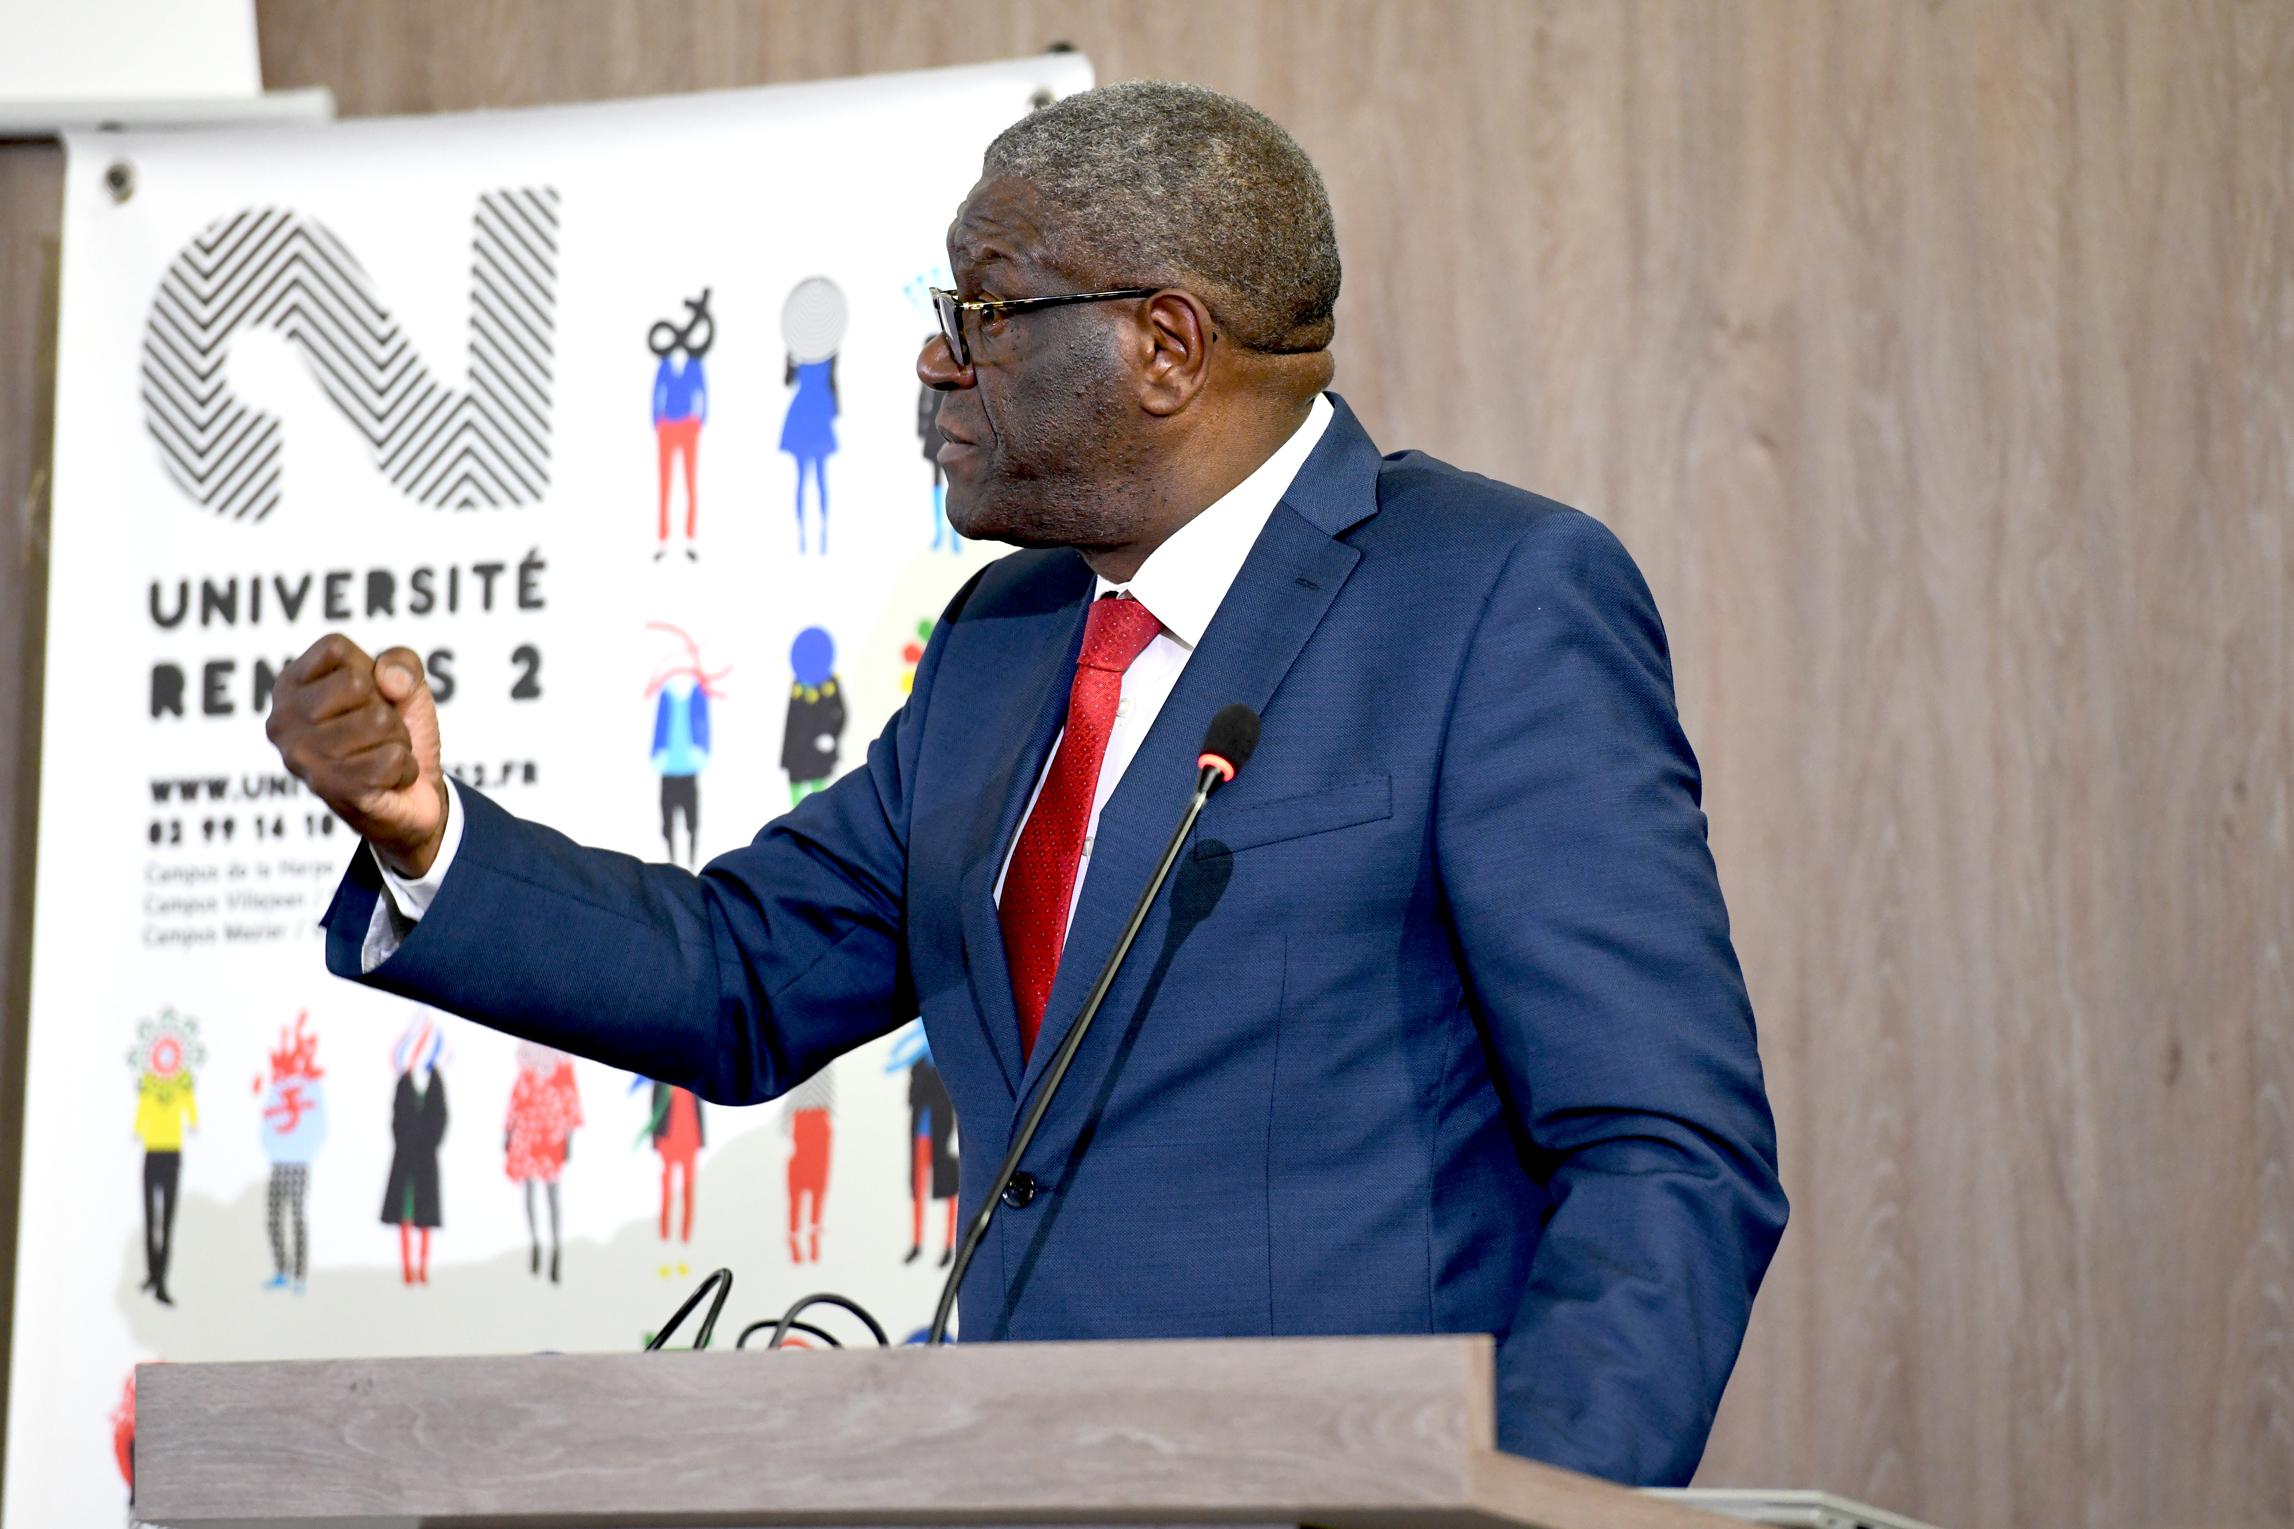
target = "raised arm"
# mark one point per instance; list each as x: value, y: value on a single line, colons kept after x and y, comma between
x: 735, y: 983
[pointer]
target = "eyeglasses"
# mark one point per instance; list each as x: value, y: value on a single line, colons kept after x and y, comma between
x: 952, y: 309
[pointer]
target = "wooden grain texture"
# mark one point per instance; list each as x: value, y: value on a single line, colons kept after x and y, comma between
x: 1351, y: 1433
x: 31, y: 217
x: 1934, y: 358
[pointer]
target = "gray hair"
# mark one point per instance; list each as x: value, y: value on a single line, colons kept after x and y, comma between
x: 1173, y: 185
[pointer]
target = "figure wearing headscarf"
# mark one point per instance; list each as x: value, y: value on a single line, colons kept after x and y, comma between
x: 410, y: 1198
x: 166, y: 1051
x: 815, y: 725
x: 545, y: 1107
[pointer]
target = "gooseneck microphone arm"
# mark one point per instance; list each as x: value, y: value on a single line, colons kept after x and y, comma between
x: 1228, y: 743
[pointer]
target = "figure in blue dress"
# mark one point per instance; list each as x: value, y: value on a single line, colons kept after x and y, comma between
x: 812, y: 327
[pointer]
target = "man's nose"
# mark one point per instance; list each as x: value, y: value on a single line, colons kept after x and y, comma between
x: 937, y: 366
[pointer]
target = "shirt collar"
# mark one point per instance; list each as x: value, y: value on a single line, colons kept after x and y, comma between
x: 1184, y: 580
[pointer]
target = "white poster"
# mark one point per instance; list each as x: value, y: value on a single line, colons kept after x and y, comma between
x: 611, y: 413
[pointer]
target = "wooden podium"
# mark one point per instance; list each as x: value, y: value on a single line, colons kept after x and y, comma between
x: 1347, y: 1433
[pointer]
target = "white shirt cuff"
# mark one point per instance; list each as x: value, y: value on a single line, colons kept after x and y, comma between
x: 406, y: 899
x: 413, y: 895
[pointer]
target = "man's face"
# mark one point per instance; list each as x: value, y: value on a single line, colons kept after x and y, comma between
x: 1041, y: 429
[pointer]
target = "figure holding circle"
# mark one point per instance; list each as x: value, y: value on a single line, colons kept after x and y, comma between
x: 812, y: 327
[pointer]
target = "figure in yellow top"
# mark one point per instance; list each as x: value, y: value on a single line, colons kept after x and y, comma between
x: 166, y: 1052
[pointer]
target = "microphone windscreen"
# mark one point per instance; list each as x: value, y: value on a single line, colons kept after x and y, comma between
x: 1233, y: 734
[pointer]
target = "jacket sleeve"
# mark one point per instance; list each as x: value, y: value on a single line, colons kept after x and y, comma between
x: 735, y: 983
x: 1597, y: 958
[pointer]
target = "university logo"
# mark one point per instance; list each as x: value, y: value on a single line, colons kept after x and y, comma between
x: 273, y: 268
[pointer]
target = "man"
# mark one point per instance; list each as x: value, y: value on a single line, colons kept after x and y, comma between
x: 1437, y: 1027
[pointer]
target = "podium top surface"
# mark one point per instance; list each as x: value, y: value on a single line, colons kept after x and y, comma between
x: 1349, y: 1433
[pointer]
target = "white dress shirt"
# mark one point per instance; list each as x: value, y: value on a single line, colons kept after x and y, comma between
x: 1182, y: 582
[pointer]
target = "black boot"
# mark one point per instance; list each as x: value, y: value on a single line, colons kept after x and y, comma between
x: 554, y: 1264
x: 534, y: 1264
x: 914, y: 1253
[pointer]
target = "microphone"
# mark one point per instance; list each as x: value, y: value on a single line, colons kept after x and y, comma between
x: 1227, y: 746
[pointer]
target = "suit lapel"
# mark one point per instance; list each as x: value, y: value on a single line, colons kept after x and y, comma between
x: 1288, y: 582
x: 1039, y: 686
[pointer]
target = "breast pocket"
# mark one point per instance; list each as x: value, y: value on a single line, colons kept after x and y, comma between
x: 1367, y: 799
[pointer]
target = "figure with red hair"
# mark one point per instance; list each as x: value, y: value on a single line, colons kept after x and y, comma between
x: 681, y: 737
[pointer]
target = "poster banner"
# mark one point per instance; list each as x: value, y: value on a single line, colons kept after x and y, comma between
x: 611, y: 413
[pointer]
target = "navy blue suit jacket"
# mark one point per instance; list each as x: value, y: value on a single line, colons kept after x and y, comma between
x: 1437, y: 1027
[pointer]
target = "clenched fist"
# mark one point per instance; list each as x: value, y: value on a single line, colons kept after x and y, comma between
x: 362, y: 733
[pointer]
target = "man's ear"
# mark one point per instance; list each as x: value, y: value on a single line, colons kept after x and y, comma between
x: 1176, y: 333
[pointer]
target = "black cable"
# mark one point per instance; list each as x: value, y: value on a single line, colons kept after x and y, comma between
x: 825, y: 1298
x: 722, y: 1281
x: 794, y: 1327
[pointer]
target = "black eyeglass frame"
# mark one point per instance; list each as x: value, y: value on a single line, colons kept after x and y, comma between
x: 951, y: 309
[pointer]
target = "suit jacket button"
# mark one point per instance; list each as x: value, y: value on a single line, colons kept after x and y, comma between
x: 1020, y: 1191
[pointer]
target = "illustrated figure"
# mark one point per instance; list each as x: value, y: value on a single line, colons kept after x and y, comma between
x: 805, y: 1119
x: 410, y: 1199
x: 928, y: 431
x: 545, y: 1108
x: 681, y: 407
x: 932, y: 1140
x: 123, y: 1433
x: 812, y: 327
x: 681, y: 738
x: 294, y: 1128
x: 815, y: 724
x: 675, y: 1127
x: 166, y: 1052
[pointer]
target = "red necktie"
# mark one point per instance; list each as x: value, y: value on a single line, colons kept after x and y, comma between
x: 1039, y: 885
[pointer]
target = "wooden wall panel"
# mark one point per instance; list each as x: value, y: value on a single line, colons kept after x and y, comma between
x: 31, y: 216
x: 1935, y: 360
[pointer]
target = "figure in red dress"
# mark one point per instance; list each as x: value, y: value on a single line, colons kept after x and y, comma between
x: 545, y: 1108
x: 805, y: 1119
x: 678, y: 1135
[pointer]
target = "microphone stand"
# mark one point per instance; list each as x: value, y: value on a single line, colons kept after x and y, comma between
x: 1211, y: 778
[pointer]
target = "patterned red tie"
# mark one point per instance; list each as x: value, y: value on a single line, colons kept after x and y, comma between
x: 1039, y: 886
